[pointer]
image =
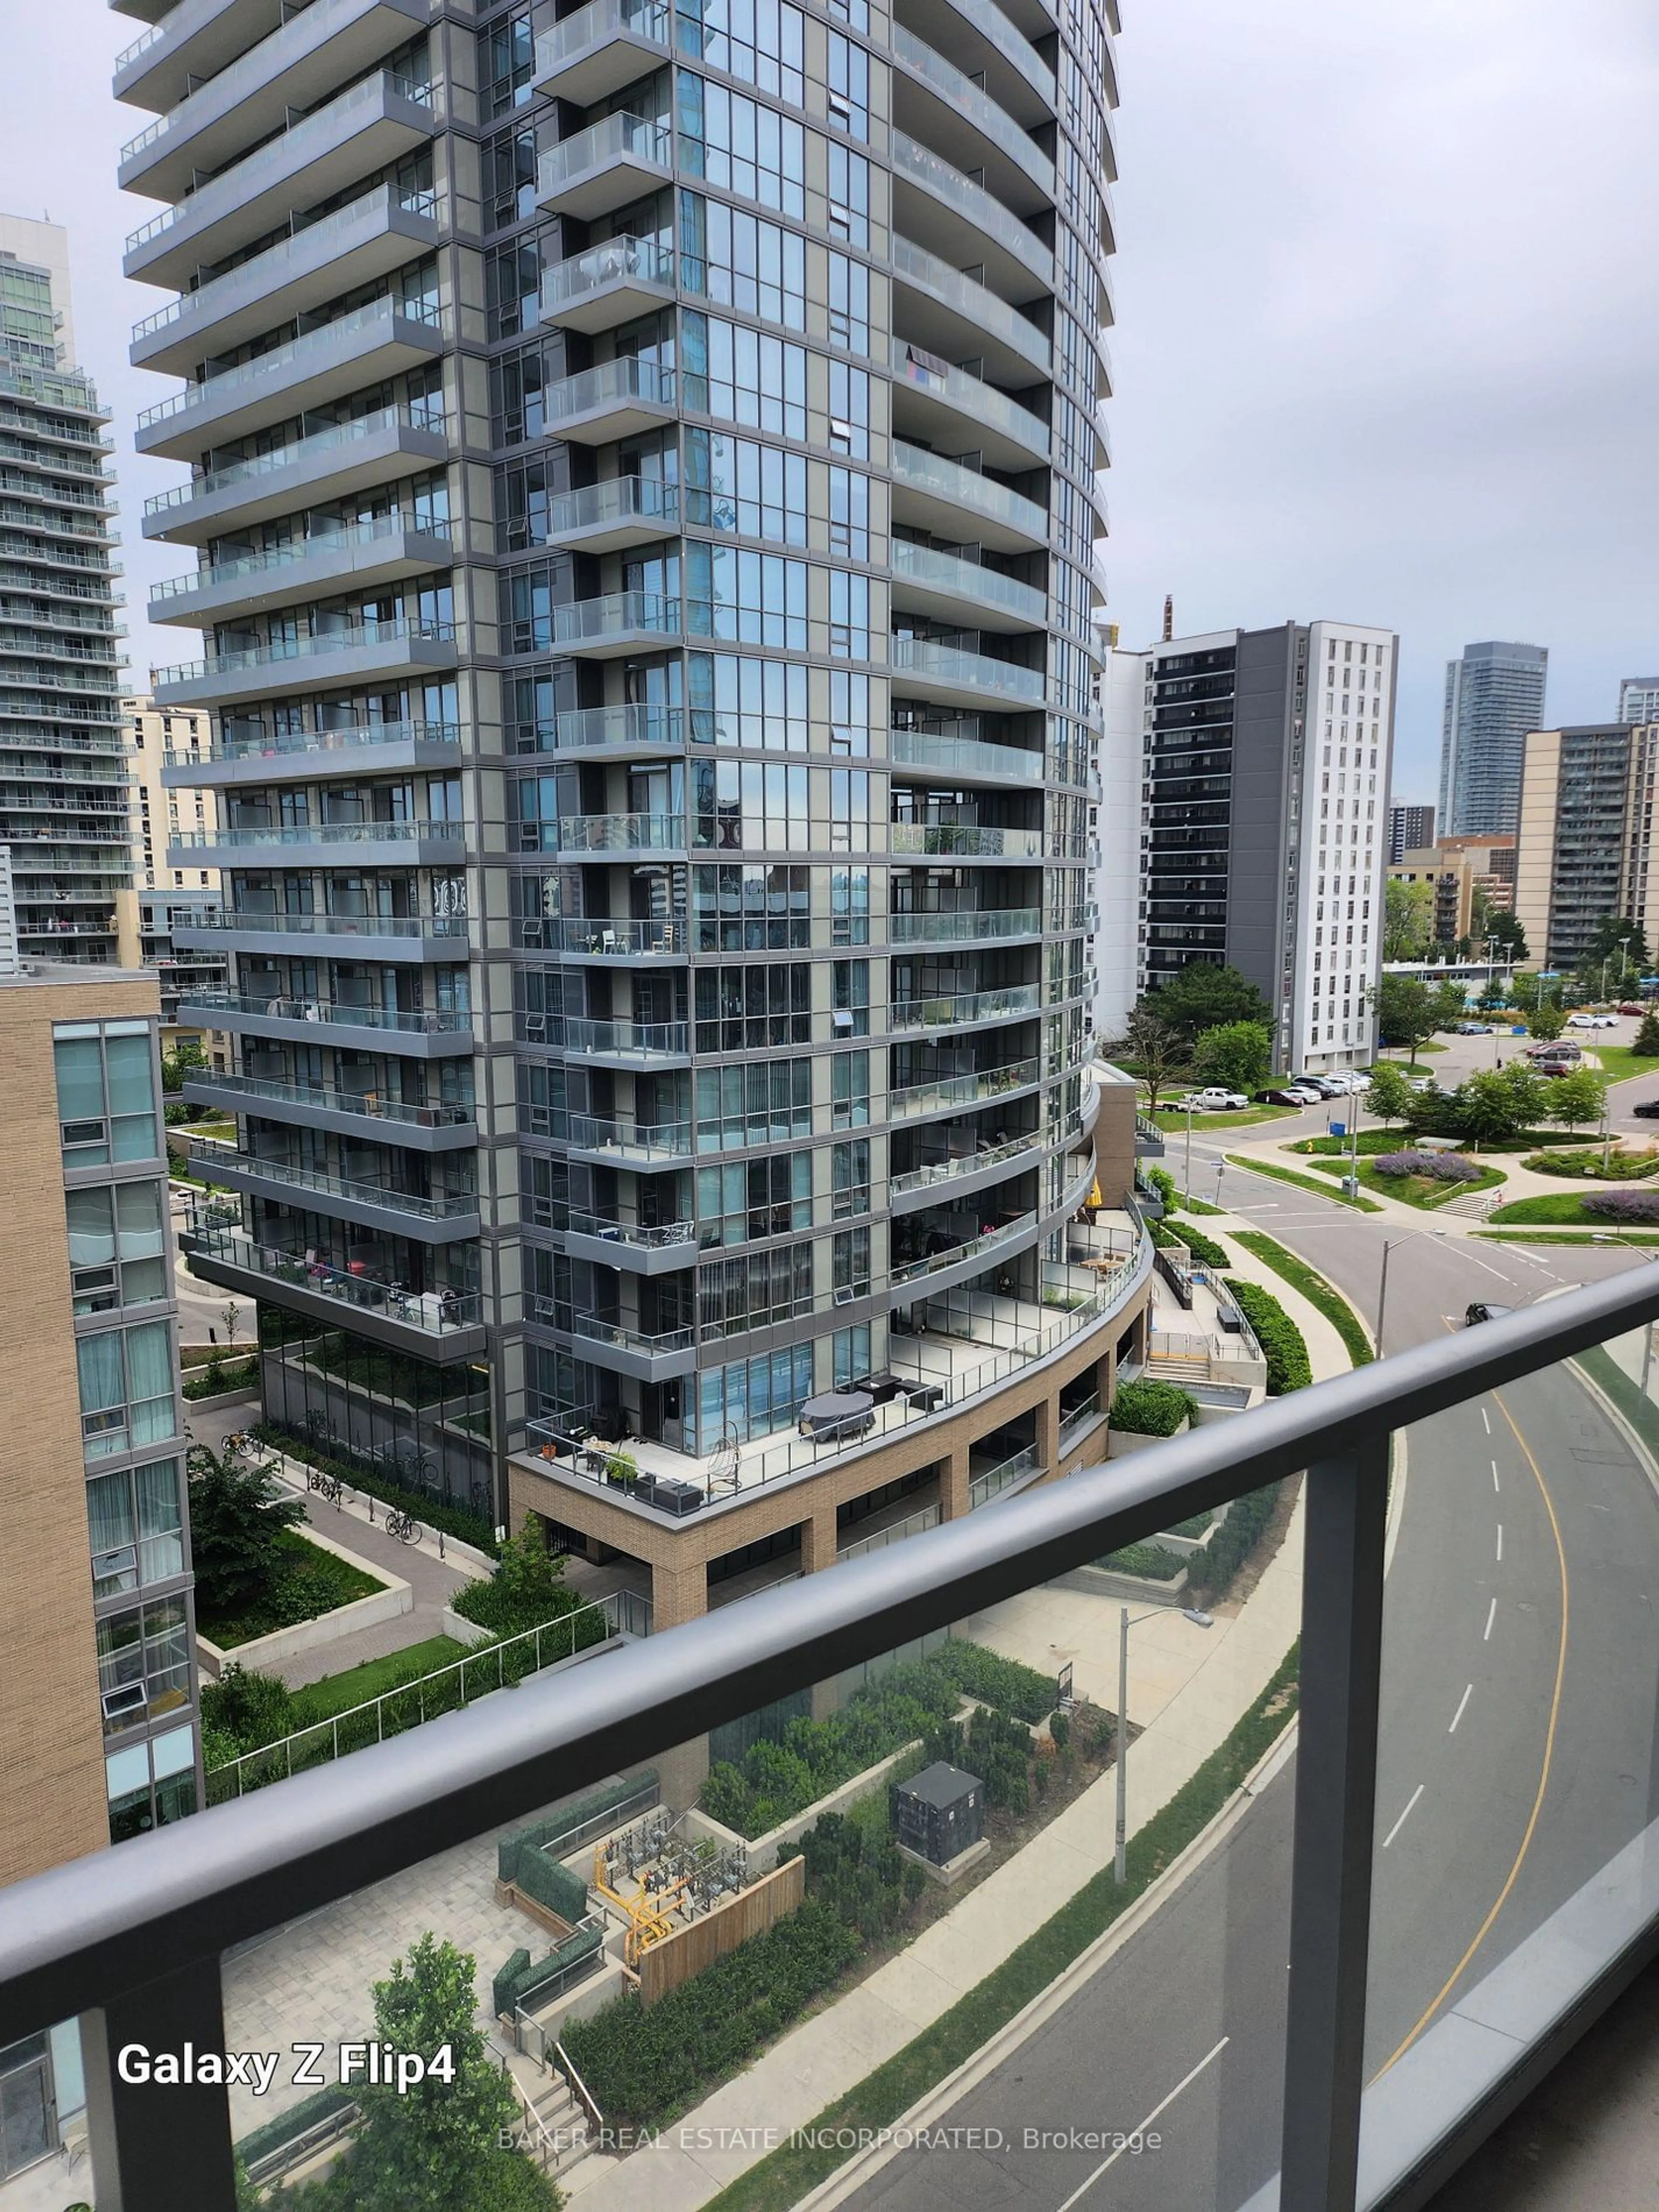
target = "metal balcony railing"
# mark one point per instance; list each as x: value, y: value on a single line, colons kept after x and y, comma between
x: 267, y: 746
x: 331, y: 925
x: 300, y: 453
x: 965, y: 1006
x: 251, y: 1088
x: 73, y: 1942
x: 355, y: 538
x: 934, y: 1172
x: 283, y: 1007
x: 354, y: 637
x: 284, y: 834
x: 211, y: 1155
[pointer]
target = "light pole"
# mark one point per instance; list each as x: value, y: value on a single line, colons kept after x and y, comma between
x: 1382, y: 1286
x: 1120, y: 1865
x: 1189, y: 1174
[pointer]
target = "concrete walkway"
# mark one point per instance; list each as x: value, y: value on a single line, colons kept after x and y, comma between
x: 1191, y: 1686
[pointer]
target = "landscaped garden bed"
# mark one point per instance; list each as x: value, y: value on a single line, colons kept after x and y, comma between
x: 1586, y: 1161
x: 309, y: 1582
x: 1591, y: 1209
x: 1419, y: 1178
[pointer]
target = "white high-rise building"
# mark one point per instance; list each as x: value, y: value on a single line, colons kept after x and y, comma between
x: 1638, y: 700
x: 1264, y: 764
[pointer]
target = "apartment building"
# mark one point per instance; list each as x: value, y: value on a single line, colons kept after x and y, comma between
x: 1466, y: 873
x: 1494, y: 696
x: 1265, y: 757
x: 1411, y: 829
x: 1585, y: 852
x: 643, y: 493
x: 164, y: 900
x: 1638, y: 699
x: 63, y: 797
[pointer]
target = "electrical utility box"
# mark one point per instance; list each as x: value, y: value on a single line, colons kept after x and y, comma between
x: 939, y: 1814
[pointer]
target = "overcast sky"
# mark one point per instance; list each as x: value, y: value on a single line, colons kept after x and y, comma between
x: 1387, y: 338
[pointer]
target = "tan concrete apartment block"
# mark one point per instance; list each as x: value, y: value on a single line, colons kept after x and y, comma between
x: 678, y: 1555
x: 52, y: 1804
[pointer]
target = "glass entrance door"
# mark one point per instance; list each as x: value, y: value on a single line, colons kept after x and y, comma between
x: 27, y: 2126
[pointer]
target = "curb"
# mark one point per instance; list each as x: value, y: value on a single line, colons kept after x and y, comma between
x: 866, y: 2163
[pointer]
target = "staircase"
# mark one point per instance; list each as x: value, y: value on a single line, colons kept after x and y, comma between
x: 556, y: 2131
x: 1474, y: 1204
x: 1167, y: 1367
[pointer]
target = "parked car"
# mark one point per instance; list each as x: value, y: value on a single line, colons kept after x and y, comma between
x: 1289, y: 1094
x: 1606, y: 1021
x: 1321, y: 1085
x: 1422, y: 1083
x: 1212, y: 1099
x: 1483, y: 1310
x: 1629, y: 1006
x: 1472, y: 1028
x: 1646, y: 1110
x: 1592, y: 1021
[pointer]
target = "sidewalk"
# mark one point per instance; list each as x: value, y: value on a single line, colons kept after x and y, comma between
x: 1192, y: 1685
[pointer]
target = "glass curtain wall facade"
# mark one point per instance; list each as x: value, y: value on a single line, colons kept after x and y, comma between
x: 63, y: 779
x: 648, y: 574
x: 1494, y: 696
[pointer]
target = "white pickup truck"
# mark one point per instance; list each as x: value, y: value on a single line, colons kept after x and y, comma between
x: 1214, y: 1100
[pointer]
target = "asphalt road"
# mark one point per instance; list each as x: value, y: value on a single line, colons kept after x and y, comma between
x: 1518, y: 1751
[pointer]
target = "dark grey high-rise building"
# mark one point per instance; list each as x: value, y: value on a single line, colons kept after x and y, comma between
x: 62, y: 777
x: 643, y: 485
x: 1494, y: 696
x: 1411, y: 829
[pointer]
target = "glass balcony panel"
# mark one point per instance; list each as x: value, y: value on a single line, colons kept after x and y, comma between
x: 973, y: 101
x: 231, y: 382
x: 975, y: 303
x: 227, y: 748
x: 947, y: 481
x: 348, y: 538
x: 967, y: 839
x: 965, y: 1006
x: 955, y: 670
x: 982, y: 209
x: 949, y: 576
x: 611, y: 163
x: 608, y: 283
x: 371, y: 1104
x: 360, y: 636
x: 598, y: 49
x: 277, y: 834
x: 282, y: 1007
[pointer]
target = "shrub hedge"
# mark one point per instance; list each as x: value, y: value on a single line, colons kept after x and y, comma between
x: 1622, y: 1205
x: 1213, y: 1569
x: 1153, y: 1563
x: 1204, y: 1249
x: 644, y: 2066
x: 1008, y: 1684
x: 1314, y: 1287
x: 863, y: 1878
x: 1281, y: 1341
x: 453, y: 1520
x: 1148, y: 1408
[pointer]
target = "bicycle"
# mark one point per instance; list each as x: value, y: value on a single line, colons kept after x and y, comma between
x: 403, y: 1526
x: 325, y: 1485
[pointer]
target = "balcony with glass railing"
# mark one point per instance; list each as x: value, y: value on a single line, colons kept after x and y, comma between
x: 1005, y: 1235
x: 616, y: 400
x: 363, y: 130
x: 389, y: 931
x: 318, y: 261
x: 287, y: 837
x: 966, y: 839
x: 953, y: 1008
x: 965, y: 114
x: 375, y: 448
x: 601, y: 48
x: 283, y: 1006
x: 944, y: 1093
x: 458, y: 1215
x: 615, y: 833
x: 428, y: 744
x: 939, y: 494
x: 958, y: 926
x: 623, y: 1141
x: 251, y: 1093
x: 662, y: 1236
x: 383, y: 549
x: 584, y: 937
x: 618, y: 512
x: 622, y: 1039
x: 953, y: 673
x: 931, y: 581
x: 955, y: 1167
x: 933, y: 400
x: 358, y: 349
x: 353, y: 653
x: 623, y: 730
x: 607, y: 165
x: 964, y: 220
x: 973, y: 312
x: 617, y: 622
x: 284, y: 1275
x: 608, y: 284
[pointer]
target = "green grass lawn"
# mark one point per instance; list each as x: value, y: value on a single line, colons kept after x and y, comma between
x: 1169, y: 1120
x: 1564, y: 1209
x: 338, y: 1693
x: 1397, y: 1053
x: 1423, y: 1191
x: 1549, y: 1237
x: 1400, y: 1140
x: 328, y: 1582
x: 1314, y: 1288
x: 1620, y: 1063
x: 1361, y: 1205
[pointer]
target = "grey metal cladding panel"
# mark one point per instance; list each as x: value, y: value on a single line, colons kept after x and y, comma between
x: 1256, y: 858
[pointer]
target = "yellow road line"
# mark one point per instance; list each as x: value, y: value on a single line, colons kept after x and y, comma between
x: 1485, y: 1929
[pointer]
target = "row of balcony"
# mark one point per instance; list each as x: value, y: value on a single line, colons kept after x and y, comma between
x: 431, y: 1219
x: 436, y: 1128
x: 386, y: 548
x: 439, y: 1031
x: 407, y: 647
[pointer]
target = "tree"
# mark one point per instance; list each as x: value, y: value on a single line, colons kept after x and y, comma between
x: 1546, y: 1022
x: 528, y: 1574
x: 1493, y: 1000
x: 1495, y: 929
x: 1622, y: 944
x: 436, y: 2147
x: 1578, y: 1098
x: 1646, y: 1043
x: 1448, y: 1003
x: 1237, y: 1054
x: 1487, y: 1108
x: 1407, y: 919
x: 1403, y: 1012
x: 231, y: 1315
x: 1528, y: 1092
x: 1390, y: 1094
x: 237, y: 1515
x: 1201, y: 996
x: 1152, y: 1045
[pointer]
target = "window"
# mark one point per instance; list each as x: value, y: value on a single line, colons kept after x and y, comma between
x: 850, y: 409
x: 107, y: 1223
x: 106, y: 1092
x: 849, y: 514
x: 744, y: 804
x: 743, y: 261
x: 762, y: 41
x: 757, y: 1291
x: 752, y: 1397
x: 742, y: 146
x: 849, y: 1091
x: 849, y: 304
x: 167, y: 1762
x: 850, y: 1002
x: 760, y: 1102
x: 849, y: 1178
x: 849, y: 194
x: 753, y: 1008
x: 746, y: 377
x: 851, y: 1264
x: 507, y: 59
x: 126, y: 1388
x: 745, y: 1199
x: 738, y: 484
x: 751, y: 598
x: 850, y: 905
x: 135, y: 1523
x: 849, y: 615
x: 849, y: 85
x: 737, y: 701
x: 751, y: 908
x: 143, y: 1663
x: 849, y: 809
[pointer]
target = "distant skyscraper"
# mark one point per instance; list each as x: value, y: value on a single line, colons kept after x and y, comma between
x: 1638, y: 700
x: 62, y: 782
x: 1494, y: 696
x: 1411, y: 829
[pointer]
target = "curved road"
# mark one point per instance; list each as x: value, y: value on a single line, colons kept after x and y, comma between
x: 1520, y: 1694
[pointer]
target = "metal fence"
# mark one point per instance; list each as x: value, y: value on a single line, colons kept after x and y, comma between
x: 131, y: 1942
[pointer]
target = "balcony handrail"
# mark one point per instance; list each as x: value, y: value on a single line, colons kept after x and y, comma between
x: 318, y: 741
x: 386, y: 309
x: 556, y: 41
x: 969, y: 839
x: 965, y: 1006
x: 325, y: 833
x: 592, y: 1133
x: 226, y: 1241
x: 340, y: 538
x: 932, y: 1172
x: 657, y: 1237
x: 932, y: 749
x: 618, y: 833
x: 954, y: 925
x: 922, y: 657
x: 329, y: 925
x: 975, y: 204
x: 356, y: 637
x: 968, y: 488
x: 643, y: 259
x: 245, y: 69
x: 620, y: 132
x: 73, y: 1942
x: 366, y: 1102
x: 934, y: 1263
x: 968, y: 579
x: 214, y: 1153
x: 287, y: 1006
x: 284, y: 456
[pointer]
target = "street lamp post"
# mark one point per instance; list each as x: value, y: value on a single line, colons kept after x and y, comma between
x: 1382, y: 1286
x: 1189, y: 1174
x: 1119, y: 1865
